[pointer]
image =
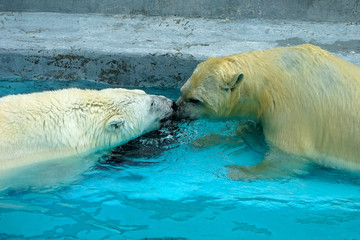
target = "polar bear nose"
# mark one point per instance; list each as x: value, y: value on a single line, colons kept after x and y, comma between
x: 174, y: 107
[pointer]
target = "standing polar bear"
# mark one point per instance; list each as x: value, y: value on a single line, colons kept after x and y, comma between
x: 306, y: 99
x: 56, y: 124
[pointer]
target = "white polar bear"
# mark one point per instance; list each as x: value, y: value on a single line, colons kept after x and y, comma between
x: 57, y: 124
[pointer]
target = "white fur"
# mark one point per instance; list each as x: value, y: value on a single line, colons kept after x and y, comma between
x: 57, y: 124
x: 307, y: 100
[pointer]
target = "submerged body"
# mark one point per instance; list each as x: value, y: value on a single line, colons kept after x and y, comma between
x: 307, y: 100
x: 56, y: 124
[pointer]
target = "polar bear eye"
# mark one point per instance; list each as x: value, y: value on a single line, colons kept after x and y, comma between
x: 194, y: 101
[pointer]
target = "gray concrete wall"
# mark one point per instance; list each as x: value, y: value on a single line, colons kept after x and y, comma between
x: 74, y: 39
x: 147, y: 51
x: 308, y: 10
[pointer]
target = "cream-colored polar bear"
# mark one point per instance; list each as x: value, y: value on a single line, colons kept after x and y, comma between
x: 56, y: 124
x: 307, y: 100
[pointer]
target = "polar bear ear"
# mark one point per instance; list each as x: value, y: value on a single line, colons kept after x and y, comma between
x: 238, y: 79
x: 115, y: 123
x: 234, y: 82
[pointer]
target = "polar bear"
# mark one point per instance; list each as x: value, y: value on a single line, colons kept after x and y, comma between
x: 306, y: 99
x: 57, y: 124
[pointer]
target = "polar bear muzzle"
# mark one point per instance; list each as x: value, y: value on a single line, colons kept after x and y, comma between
x: 162, y: 107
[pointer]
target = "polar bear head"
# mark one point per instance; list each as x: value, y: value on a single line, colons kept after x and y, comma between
x: 212, y: 91
x: 55, y: 124
x: 109, y: 117
x: 119, y: 115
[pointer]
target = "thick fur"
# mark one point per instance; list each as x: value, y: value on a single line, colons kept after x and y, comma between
x: 56, y: 124
x: 307, y: 100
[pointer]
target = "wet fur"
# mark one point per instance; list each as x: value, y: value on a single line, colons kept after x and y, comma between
x: 307, y: 100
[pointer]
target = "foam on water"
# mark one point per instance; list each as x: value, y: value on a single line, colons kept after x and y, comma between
x: 172, y: 184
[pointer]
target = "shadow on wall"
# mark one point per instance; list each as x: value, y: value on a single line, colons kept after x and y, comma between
x: 124, y: 70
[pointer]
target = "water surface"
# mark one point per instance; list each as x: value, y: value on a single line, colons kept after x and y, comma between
x: 172, y: 184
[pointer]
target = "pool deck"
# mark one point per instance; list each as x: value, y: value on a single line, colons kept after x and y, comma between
x: 144, y: 51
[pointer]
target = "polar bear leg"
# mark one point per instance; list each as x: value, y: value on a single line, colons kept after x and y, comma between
x: 276, y: 164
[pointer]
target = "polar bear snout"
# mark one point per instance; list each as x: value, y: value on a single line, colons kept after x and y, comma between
x: 188, y: 108
x: 163, y: 107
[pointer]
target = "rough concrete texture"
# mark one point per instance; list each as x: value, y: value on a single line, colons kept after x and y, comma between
x: 308, y: 10
x: 138, y: 50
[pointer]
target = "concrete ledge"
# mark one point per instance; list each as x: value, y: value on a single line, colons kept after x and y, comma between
x: 143, y: 51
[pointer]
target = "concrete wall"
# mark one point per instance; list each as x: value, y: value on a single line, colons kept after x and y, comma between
x: 159, y: 43
x: 308, y: 10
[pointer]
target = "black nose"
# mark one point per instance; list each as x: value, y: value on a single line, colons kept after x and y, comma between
x: 174, y: 106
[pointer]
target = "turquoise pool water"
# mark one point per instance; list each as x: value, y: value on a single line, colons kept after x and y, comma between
x: 172, y: 184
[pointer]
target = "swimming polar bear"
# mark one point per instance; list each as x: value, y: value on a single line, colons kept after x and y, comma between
x: 57, y: 124
x: 306, y: 99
